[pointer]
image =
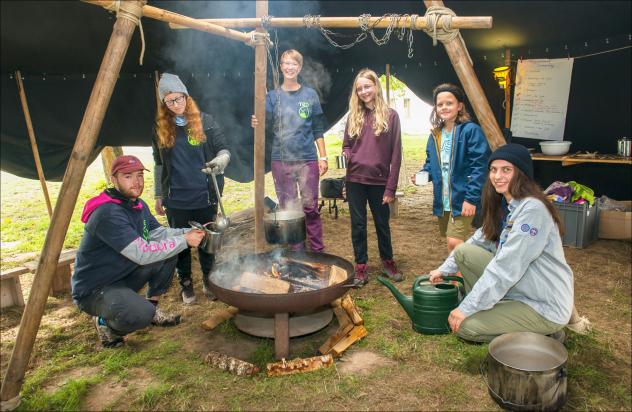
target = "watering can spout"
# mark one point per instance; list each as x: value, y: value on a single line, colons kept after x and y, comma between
x: 405, y: 301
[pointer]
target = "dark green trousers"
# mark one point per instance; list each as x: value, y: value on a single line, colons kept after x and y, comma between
x: 506, y: 316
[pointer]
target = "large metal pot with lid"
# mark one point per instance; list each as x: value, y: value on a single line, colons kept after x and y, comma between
x: 284, y: 227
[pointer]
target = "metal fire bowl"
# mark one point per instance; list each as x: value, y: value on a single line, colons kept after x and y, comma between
x: 282, y: 302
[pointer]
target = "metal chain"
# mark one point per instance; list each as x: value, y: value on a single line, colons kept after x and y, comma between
x: 311, y: 21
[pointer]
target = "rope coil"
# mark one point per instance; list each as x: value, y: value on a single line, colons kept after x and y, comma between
x: 131, y: 11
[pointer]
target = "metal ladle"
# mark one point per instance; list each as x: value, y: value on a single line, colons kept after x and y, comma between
x: 221, y: 222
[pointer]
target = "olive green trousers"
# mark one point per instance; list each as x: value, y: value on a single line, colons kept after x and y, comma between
x: 506, y: 316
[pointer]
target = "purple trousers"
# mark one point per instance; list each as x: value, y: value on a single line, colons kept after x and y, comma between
x: 302, y: 177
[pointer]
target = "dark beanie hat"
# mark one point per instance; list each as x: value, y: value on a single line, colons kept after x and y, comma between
x: 516, y: 154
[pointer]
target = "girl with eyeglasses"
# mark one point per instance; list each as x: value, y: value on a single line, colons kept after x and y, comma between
x: 186, y: 141
x: 295, y: 119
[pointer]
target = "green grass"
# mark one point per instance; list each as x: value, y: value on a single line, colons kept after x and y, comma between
x: 158, y: 371
x: 28, y: 224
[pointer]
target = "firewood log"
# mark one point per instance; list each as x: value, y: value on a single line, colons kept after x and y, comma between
x: 230, y: 364
x: 346, y: 324
x: 263, y: 284
x: 337, y: 275
x: 350, y: 307
x: 355, y: 335
x: 284, y: 367
x: 219, y: 317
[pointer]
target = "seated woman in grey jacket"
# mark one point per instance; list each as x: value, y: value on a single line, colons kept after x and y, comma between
x: 513, y: 267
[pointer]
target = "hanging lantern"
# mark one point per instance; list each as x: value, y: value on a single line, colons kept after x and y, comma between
x: 501, y: 75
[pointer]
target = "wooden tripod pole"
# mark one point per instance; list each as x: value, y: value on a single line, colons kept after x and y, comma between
x: 464, y: 70
x: 508, y: 89
x: 261, y: 67
x: 75, y: 171
x: 388, y: 85
x: 31, y: 133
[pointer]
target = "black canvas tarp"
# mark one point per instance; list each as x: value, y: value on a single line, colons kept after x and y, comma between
x: 58, y: 46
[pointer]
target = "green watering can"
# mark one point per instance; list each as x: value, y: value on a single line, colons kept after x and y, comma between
x: 430, y: 304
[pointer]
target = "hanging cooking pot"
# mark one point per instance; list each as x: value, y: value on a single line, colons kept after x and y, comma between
x: 526, y: 372
x: 284, y: 227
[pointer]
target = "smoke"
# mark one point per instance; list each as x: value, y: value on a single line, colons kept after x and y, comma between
x: 314, y: 75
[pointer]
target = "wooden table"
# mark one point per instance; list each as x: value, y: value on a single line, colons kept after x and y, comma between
x: 572, y: 159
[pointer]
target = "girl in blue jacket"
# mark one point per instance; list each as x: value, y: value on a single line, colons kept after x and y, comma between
x: 456, y: 162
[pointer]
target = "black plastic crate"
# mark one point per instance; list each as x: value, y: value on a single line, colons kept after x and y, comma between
x: 581, y: 223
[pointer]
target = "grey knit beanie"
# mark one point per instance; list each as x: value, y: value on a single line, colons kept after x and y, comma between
x: 170, y: 83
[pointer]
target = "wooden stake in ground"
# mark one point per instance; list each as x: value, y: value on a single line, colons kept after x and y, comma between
x: 75, y: 172
x: 284, y: 367
x: 31, y: 133
x: 261, y: 67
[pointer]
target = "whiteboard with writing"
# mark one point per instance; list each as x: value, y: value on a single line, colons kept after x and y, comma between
x: 541, y: 98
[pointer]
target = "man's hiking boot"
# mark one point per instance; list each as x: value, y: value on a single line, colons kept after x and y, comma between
x: 107, y: 337
x: 164, y: 318
x: 361, y: 275
x: 390, y: 270
x: 188, y: 295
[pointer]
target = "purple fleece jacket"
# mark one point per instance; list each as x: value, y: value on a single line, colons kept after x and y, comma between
x: 375, y: 160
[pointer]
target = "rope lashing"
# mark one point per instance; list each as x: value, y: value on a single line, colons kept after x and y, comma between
x: 445, y: 33
x: 259, y: 38
x: 131, y: 11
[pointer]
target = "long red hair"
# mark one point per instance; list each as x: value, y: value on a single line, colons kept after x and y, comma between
x: 166, y: 124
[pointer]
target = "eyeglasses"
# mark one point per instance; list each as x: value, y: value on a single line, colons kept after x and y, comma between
x: 173, y: 102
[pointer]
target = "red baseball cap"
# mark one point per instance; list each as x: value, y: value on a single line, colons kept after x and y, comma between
x: 126, y: 164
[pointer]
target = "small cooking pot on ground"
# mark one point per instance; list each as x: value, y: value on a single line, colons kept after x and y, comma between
x: 284, y: 227
x: 527, y: 372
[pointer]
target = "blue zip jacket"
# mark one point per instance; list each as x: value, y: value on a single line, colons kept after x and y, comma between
x: 470, y: 153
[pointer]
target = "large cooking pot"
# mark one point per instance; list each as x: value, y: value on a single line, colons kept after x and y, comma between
x: 283, y: 227
x: 527, y: 372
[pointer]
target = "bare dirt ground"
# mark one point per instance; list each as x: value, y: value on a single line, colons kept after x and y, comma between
x: 392, y: 368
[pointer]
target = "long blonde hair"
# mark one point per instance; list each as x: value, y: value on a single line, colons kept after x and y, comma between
x: 355, y: 121
x: 166, y: 124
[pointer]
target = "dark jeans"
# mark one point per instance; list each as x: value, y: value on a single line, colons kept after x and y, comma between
x: 123, y: 309
x: 179, y: 218
x: 358, y: 195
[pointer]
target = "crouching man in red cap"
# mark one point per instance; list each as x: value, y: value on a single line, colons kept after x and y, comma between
x: 123, y: 249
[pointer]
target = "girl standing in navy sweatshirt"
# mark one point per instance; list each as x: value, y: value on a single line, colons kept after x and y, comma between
x: 373, y: 149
